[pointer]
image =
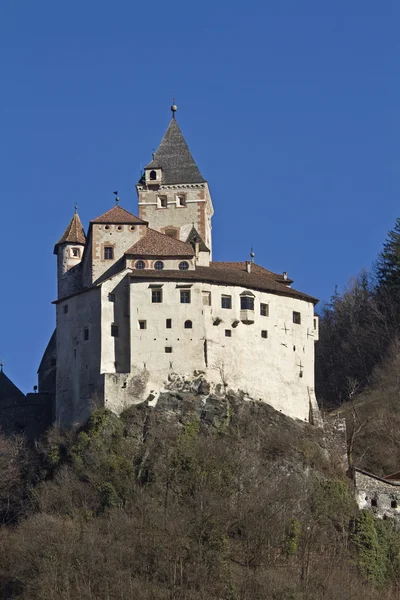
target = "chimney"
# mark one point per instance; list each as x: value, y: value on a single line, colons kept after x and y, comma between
x: 285, y: 275
x: 248, y: 266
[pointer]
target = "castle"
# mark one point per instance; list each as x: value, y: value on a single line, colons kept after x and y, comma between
x: 141, y: 303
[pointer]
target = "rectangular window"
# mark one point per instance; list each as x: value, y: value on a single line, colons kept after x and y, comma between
x: 226, y: 301
x: 315, y: 323
x: 181, y: 200
x: 168, y: 323
x: 264, y: 333
x: 142, y: 325
x: 65, y: 309
x: 156, y: 296
x: 114, y: 330
x: 111, y: 297
x: 206, y: 298
x: 246, y: 303
x: 296, y: 317
x: 86, y: 333
x: 162, y: 202
x: 76, y: 252
x: 264, y: 310
x: 185, y: 296
x: 108, y: 253
x: 228, y: 333
x: 168, y: 349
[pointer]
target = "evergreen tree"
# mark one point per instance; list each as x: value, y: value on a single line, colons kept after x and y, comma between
x: 388, y: 264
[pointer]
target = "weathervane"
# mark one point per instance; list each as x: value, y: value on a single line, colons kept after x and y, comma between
x: 1, y: 365
x: 116, y: 198
x: 174, y: 107
x: 76, y: 207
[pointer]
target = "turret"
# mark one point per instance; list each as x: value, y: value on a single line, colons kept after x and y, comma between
x: 69, y: 251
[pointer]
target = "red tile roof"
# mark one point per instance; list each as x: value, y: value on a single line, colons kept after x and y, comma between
x: 241, y: 266
x: 118, y: 215
x: 74, y: 234
x: 155, y: 243
x: 228, y: 274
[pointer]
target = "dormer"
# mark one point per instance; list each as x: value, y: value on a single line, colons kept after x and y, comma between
x: 153, y: 176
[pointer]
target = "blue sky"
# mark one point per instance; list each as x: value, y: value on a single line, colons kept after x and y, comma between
x: 291, y: 110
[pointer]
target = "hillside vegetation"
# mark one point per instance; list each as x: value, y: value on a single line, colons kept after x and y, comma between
x: 224, y: 500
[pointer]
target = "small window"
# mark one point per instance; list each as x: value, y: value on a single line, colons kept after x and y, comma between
x: 374, y: 502
x: 153, y: 175
x: 86, y: 333
x: 139, y: 264
x: 181, y: 200
x: 76, y: 252
x: 159, y: 265
x: 206, y: 298
x: 65, y: 309
x: 188, y: 325
x: 228, y: 333
x: 114, y: 330
x: 156, y: 296
x: 226, y: 301
x: 168, y: 349
x: 184, y: 265
x: 393, y: 504
x: 264, y: 310
x: 162, y: 202
x: 185, y: 296
x: 108, y: 253
x: 246, y: 303
x: 168, y: 323
x: 264, y: 333
x: 111, y: 297
x: 296, y: 317
x: 119, y: 227
x: 142, y: 325
x: 315, y: 323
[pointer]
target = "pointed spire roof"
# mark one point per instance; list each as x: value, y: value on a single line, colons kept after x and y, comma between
x: 174, y: 158
x: 118, y: 215
x: 194, y: 237
x: 9, y: 391
x: 74, y: 234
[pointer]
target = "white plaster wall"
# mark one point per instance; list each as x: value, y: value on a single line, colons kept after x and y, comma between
x: 120, y: 237
x: 79, y: 386
x: 198, y: 210
x: 115, y: 351
x: 266, y: 369
x: 68, y: 276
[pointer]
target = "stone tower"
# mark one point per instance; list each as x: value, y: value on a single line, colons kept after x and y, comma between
x: 173, y: 195
x: 69, y: 251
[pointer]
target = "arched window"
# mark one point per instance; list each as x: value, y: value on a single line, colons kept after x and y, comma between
x: 188, y: 324
x: 139, y: 264
x: 153, y: 175
x: 159, y: 265
x: 184, y: 265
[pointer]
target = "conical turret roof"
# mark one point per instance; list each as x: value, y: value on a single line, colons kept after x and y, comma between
x: 174, y: 158
x: 74, y: 234
x: 8, y: 390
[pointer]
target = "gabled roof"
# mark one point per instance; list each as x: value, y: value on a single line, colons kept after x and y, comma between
x: 194, y: 237
x: 118, y: 215
x: 155, y: 243
x: 9, y: 391
x: 241, y: 266
x: 174, y: 158
x: 258, y: 279
x: 74, y: 234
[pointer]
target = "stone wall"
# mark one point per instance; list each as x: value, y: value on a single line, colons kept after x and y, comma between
x: 378, y: 495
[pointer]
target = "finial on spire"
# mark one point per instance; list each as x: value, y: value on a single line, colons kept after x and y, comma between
x: 252, y: 254
x: 116, y: 198
x: 174, y: 107
x: 1, y: 365
x: 76, y: 207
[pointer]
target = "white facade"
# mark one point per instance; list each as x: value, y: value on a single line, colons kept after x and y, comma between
x: 146, y: 306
